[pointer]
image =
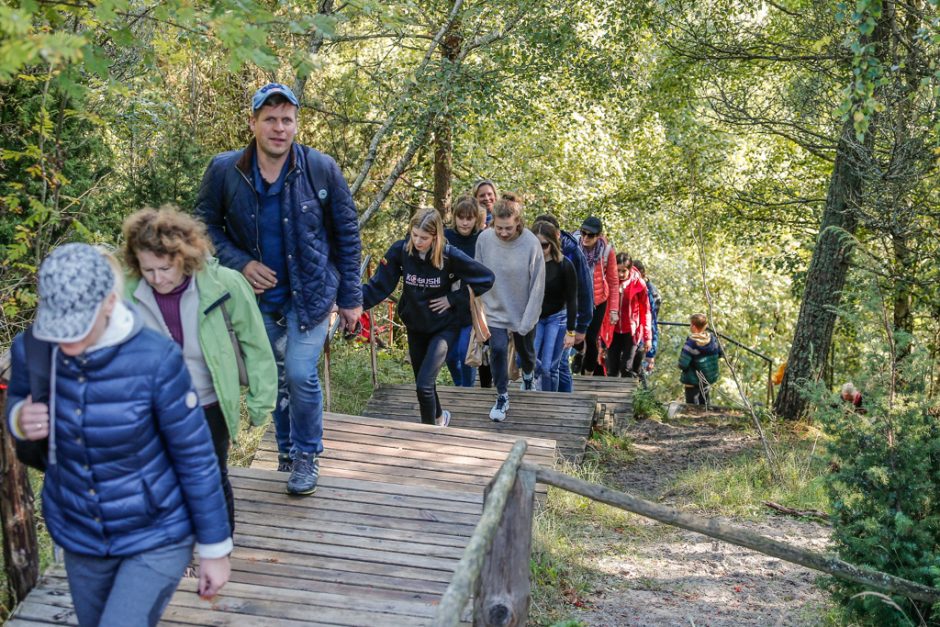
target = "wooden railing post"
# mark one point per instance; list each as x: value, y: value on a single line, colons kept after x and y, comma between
x: 17, y: 509
x: 452, y: 604
x: 501, y: 597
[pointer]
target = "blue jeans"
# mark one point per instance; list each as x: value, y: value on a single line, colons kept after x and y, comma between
x: 563, y: 372
x: 549, y: 340
x: 126, y: 591
x: 462, y: 374
x: 427, y: 352
x: 298, y: 415
x: 499, y: 353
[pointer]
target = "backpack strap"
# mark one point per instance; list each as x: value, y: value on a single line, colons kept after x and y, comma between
x: 34, y: 453
x: 319, y: 177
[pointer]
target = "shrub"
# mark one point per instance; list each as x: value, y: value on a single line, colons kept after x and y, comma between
x: 883, y: 489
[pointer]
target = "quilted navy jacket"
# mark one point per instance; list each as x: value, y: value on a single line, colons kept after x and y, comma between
x: 135, y: 468
x: 318, y: 217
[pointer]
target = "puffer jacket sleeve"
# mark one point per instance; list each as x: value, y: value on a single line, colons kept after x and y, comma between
x: 259, y: 358
x: 610, y: 273
x: 386, y: 277
x: 210, y: 208
x: 185, y: 434
x: 585, y: 289
x: 18, y: 388
x: 345, y: 242
x: 470, y: 272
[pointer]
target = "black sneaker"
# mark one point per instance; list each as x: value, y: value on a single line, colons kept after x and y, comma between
x: 284, y: 463
x: 528, y: 381
x: 304, y: 474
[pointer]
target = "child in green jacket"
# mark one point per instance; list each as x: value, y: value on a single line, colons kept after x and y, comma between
x: 698, y: 361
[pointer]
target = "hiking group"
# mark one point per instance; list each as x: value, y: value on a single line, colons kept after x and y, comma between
x: 126, y: 389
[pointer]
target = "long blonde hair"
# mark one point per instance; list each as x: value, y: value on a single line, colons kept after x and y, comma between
x: 429, y: 221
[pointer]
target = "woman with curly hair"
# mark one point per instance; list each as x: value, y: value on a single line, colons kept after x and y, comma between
x: 185, y: 294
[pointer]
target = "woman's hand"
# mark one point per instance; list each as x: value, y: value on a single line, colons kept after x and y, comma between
x: 569, y: 340
x: 34, y: 419
x: 213, y: 574
x: 439, y: 304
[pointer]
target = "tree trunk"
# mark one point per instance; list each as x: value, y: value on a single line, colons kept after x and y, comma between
x: 324, y: 7
x: 443, y: 165
x: 826, y: 276
x: 17, y: 512
x: 443, y: 131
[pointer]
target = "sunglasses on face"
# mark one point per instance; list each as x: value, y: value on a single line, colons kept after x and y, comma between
x: 586, y: 234
x: 546, y: 245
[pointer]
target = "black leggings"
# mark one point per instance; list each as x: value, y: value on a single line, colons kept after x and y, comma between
x: 428, y: 351
x: 220, y: 441
x: 620, y: 356
x: 590, y: 365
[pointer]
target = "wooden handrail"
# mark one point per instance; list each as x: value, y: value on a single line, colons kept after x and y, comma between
x: 468, y: 569
x: 737, y: 535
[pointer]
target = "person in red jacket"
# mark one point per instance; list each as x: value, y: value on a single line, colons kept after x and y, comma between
x: 632, y: 333
x: 602, y: 261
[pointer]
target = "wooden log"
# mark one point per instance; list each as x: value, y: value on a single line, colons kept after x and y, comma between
x: 17, y: 509
x: 502, y: 594
x: 468, y: 569
x: 741, y: 537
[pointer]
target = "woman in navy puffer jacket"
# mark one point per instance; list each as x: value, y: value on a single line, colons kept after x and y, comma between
x: 131, y: 478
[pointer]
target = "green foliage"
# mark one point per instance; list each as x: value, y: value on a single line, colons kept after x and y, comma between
x: 646, y: 405
x: 883, y: 492
x: 739, y: 486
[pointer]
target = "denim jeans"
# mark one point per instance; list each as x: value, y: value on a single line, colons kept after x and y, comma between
x: 563, y: 372
x: 128, y: 591
x: 549, y: 340
x: 428, y: 352
x: 499, y: 353
x: 462, y: 374
x: 298, y: 415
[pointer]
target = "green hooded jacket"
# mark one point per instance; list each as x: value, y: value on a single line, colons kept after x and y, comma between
x: 213, y: 283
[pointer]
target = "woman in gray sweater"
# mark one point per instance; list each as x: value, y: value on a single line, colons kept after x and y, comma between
x: 514, y: 303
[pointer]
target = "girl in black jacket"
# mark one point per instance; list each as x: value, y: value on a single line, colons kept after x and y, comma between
x: 469, y: 221
x: 429, y: 302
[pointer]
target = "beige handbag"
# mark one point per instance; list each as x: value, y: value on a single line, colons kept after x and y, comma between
x: 478, y: 317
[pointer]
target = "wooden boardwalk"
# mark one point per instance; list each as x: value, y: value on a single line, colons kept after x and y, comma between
x: 356, y: 553
x: 379, y: 541
x: 410, y: 453
x: 566, y: 418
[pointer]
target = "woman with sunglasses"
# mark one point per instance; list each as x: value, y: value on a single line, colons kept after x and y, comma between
x: 559, y: 306
x: 602, y: 260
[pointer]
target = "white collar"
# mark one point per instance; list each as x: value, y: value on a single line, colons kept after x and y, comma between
x: 120, y: 325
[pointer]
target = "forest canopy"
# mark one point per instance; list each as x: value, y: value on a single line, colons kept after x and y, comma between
x: 727, y: 145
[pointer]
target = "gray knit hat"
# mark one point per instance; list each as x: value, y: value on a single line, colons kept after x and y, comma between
x: 74, y: 281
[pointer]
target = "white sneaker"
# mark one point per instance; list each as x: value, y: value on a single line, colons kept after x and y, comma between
x: 444, y: 419
x: 528, y: 381
x: 498, y: 413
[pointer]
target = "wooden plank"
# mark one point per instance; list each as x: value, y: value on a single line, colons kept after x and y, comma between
x: 340, y: 565
x: 277, y: 574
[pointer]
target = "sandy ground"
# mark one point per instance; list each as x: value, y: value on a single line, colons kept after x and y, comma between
x: 674, y: 577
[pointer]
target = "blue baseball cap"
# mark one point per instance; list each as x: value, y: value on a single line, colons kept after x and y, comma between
x: 261, y: 96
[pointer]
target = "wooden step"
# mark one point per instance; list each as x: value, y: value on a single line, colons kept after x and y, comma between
x: 409, y: 453
x: 355, y: 553
x: 566, y: 418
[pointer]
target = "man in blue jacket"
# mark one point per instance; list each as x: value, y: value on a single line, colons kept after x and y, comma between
x: 281, y: 214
